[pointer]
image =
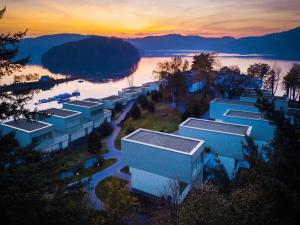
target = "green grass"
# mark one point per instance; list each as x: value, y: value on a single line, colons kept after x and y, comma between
x: 152, y: 121
x: 74, y: 157
x: 125, y: 169
x: 101, y: 190
x: 92, y: 170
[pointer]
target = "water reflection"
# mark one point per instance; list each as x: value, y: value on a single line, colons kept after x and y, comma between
x: 142, y: 74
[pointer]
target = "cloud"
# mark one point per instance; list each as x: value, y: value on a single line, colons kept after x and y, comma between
x: 143, y: 17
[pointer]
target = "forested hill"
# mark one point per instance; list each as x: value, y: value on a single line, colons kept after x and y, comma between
x: 96, y: 57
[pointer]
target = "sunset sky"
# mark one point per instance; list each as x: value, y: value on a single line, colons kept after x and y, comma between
x: 137, y: 18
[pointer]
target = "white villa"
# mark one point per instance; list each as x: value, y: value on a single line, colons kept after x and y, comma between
x: 159, y: 160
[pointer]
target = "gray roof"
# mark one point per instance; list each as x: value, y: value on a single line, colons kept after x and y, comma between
x: 216, y: 126
x: 113, y: 98
x: 265, y: 96
x: 61, y: 112
x: 233, y: 102
x: 250, y: 115
x: 131, y: 90
x: 164, y: 140
x: 83, y: 103
x: 26, y: 125
x: 92, y: 100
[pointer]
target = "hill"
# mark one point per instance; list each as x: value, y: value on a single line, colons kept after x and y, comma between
x: 281, y: 45
x: 38, y: 45
x: 94, y: 57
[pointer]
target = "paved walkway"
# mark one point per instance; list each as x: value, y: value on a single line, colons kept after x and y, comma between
x: 113, y: 170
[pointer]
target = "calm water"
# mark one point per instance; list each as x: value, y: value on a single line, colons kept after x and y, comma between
x: 143, y: 74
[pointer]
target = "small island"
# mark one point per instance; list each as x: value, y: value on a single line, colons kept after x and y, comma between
x: 94, y: 58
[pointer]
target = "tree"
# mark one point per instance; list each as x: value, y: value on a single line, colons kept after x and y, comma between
x: 258, y: 70
x: 291, y: 82
x: 205, y: 63
x: 151, y: 106
x: 233, y: 69
x: 135, y: 112
x: 118, y: 107
x: 13, y: 104
x: 143, y: 101
x: 105, y: 129
x: 156, y: 96
x: 120, y: 205
x: 206, y: 206
x: 271, y: 79
x: 94, y: 142
x: 173, y: 71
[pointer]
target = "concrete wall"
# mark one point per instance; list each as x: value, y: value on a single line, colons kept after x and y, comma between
x: 218, y: 109
x: 279, y: 102
x: 149, y: 182
x: 261, y: 129
x: 158, y: 161
x: 223, y: 144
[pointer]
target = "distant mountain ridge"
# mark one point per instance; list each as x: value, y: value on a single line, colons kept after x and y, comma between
x: 280, y: 45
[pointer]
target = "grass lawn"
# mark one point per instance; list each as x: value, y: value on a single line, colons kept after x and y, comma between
x: 152, y: 121
x: 101, y: 190
x: 75, y: 156
x: 90, y: 171
x: 125, y: 169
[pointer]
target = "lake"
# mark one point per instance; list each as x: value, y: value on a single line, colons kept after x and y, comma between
x: 143, y: 74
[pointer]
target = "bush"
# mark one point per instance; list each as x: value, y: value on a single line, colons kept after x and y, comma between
x: 94, y: 142
x: 135, y: 112
x: 156, y: 96
x: 151, y: 107
x: 118, y: 107
x: 129, y: 130
x: 106, y: 129
x: 99, y: 161
x: 143, y: 101
x: 186, y: 114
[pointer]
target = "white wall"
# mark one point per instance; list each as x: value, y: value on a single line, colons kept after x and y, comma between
x: 223, y: 144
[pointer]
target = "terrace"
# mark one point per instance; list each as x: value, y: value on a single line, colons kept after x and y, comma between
x: 216, y: 126
x: 233, y: 102
x: 83, y: 103
x: 26, y: 125
x: 163, y: 140
x: 64, y: 113
x: 244, y: 114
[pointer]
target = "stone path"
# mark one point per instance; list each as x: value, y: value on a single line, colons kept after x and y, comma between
x: 113, y: 170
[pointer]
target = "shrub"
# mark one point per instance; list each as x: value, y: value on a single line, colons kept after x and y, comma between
x: 99, y: 161
x: 135, y: 112
x: 106, y: 129
x: 186, y: 114
x: 118, y: 107
x: 94, y: 142
x: 143, y: 101
x: 151, y: 107
x: 130, y: 130
x: 156, y: 96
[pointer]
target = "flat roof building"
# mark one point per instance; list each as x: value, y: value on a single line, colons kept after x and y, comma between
x: 70, y: 122
x: 40, y: 133
x: 279, y: 101
x: 222, y: 138
x: 219, y: 106
x: 91, y: 111
x: 132, y: 93
x: 261, y: 128
x: 157, y: 159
